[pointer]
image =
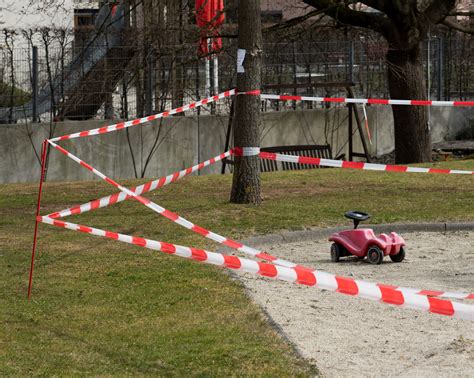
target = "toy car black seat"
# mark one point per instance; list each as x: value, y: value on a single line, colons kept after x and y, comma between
x: 357, y: 217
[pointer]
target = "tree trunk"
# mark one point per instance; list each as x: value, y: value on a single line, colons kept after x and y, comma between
x: 246, y: 125
x: 406, y: 80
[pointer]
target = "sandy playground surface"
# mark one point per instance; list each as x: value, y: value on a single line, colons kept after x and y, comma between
x: 346, y: 336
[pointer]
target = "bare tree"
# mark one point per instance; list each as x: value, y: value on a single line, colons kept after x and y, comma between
x: 246, y: 179
x: 404, y: 24
x: 8, y: 38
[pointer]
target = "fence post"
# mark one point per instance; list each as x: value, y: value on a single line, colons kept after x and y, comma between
x: 295, y: 71
x: 350, y: 132
x: 149, y: 85
x: 197, y: 85
x: 351, y: 62
x: 440, y: 68
x: 34, y: 84
x: 124, y: 114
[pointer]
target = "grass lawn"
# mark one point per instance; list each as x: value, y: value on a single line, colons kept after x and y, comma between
x: 103, y: 307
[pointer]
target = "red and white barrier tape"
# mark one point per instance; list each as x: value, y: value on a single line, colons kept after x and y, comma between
x: 252, y: 151
x: 126, y: 193
x: 372, y: 101
x: 232, y: 92
x: 142, y: 189
x: 435, y: 293
x: 221, y: 239
x: 139, y: 121
x: 176, y: 218
x: 366, y: 122
x: 256, y: 92
x: 319, y: 279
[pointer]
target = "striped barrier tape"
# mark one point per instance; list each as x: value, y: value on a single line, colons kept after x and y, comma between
x: 232, y: 92
x: 142, y: 189
x: 365, y: 101
x: 281, y: 264
x: 319, y: 279
x: 221, y: 239
x: 256, y: 92
x: 248, y: 152
x: 139, y: 121
x: 435, y: 293
x: 175, y: 217
x: 366, y: 122
x: 252, y: 151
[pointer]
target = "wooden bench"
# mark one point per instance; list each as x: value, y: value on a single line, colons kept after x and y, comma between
x: 310, y: 150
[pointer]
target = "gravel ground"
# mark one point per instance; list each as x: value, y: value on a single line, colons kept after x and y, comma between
x: 347, y: 336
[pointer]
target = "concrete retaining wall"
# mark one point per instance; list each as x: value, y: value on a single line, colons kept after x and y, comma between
x: 183, y: 141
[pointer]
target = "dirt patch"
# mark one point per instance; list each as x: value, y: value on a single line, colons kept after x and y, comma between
x: 346, y: 336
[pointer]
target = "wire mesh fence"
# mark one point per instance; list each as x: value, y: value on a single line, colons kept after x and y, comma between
x: 77, y: 81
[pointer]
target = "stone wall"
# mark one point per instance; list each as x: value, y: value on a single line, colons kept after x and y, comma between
x: 183, y: 141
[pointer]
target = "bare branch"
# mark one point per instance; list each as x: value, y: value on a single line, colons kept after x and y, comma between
x: 452, y: 24
x: 295, y: 21
x: 461, y: 13
x: 438, y: 10
x: 379, y: 5
x: 343, y: 14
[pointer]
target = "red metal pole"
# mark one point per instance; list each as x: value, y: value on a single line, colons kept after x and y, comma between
x: 44, y: 149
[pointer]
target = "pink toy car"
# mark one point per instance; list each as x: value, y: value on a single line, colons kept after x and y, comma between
x: 363, y: 242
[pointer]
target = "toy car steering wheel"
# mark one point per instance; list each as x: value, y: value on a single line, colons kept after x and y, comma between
x: 357, y: 216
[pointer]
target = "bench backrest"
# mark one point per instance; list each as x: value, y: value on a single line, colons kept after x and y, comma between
x: 316, y: 151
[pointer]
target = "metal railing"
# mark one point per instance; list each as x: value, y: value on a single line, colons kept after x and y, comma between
x: 130, y: 81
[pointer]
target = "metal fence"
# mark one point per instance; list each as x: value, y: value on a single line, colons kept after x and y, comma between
x: 127, y: 82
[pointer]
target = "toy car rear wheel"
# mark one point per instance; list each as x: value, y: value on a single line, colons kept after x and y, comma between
x: 399, y: 257
x: 335, y: 252
x: 375, y: 255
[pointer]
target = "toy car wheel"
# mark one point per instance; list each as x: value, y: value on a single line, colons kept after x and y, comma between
x: 399, y: 257
x: 375, y: 255
x: 335, y: 252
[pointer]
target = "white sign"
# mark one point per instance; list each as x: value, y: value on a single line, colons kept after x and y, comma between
x: 240, y: 60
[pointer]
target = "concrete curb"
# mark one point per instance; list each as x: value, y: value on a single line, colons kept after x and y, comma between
x: 322, y: 233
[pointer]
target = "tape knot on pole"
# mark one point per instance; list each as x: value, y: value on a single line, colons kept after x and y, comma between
x: 255, y: 92
x: 246, y: 151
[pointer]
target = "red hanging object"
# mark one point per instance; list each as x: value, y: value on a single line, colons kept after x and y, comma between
x: 209, y: 17
x: 218, y: 18
x: 203, y: 18
x: 203, y: 12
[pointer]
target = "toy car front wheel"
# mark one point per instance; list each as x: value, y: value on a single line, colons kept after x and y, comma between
x: 399, y: 257
x: 375, y: 255
x: 335, y: 252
